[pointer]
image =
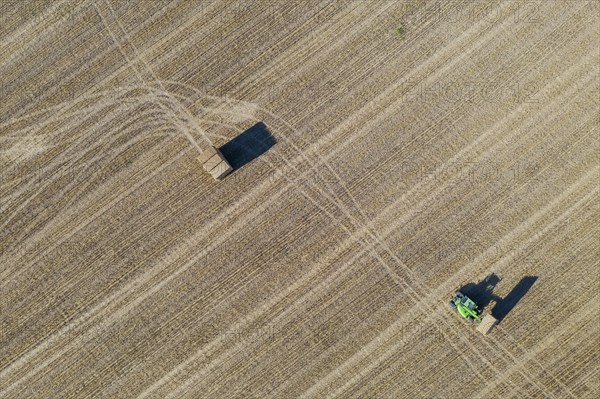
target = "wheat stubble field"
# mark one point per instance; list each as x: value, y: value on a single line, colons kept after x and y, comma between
x: 420, y: 147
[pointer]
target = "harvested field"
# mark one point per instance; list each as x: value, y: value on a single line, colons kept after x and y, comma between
x: 418, y: 148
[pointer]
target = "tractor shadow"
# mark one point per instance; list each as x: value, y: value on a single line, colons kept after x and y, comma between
x: 247, y: 146
x: 482, y: 293
x: 503, y: 307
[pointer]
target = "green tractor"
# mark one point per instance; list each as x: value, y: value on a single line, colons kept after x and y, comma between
x: 466, y: 307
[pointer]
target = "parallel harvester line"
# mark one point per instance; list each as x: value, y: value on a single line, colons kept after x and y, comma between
x: 58, y: 161
x: 322, y: 160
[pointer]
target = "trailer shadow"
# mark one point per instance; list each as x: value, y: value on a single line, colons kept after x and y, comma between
x: 504, y: 306
x: 482, y: 294
x: 247, y: 146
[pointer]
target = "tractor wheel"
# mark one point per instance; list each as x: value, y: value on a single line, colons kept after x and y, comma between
x: 452, y: 305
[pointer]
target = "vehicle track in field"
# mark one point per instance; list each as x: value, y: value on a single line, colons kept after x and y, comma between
x: 320, y: 192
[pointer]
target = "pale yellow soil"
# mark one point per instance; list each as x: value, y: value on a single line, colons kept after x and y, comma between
x: 407, y: 165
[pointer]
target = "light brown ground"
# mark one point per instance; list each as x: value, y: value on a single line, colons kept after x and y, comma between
x: 406, y: 165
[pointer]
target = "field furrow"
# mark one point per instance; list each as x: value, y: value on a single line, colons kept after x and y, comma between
x: 386, y: 154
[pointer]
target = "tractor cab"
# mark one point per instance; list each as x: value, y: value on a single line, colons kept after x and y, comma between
x: 465, y: 307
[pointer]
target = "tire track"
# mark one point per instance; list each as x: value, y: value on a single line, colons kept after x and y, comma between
x: 388, y: 334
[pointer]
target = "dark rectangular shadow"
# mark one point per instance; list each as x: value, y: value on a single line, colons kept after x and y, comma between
x: 248, y: 146
x: 504, y: 306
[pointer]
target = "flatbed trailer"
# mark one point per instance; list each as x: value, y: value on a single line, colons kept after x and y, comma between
x: 215, y: 163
